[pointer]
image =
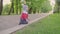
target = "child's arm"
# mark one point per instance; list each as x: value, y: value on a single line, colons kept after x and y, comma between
x: 28, y: 18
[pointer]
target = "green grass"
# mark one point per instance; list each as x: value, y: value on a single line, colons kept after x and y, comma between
x: 48, y: 25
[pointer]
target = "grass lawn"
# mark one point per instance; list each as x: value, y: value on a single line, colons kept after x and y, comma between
x: 48, y: 25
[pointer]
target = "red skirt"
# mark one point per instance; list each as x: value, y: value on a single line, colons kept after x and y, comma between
x: 24, y: 16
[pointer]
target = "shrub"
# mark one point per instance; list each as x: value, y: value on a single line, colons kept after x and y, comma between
x: 6, y: 9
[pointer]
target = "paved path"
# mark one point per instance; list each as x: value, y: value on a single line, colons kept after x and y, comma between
x: 7, y: 23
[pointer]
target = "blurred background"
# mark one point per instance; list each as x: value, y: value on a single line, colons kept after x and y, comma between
x: 14, y: 7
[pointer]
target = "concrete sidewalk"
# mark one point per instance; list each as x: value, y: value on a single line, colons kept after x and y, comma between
x: 12, y: 22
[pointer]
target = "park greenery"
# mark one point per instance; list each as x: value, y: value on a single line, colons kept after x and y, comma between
x: 57, y: 7
x: 35, y: 6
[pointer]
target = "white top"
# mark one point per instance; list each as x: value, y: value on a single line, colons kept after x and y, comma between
x: 25, y: 9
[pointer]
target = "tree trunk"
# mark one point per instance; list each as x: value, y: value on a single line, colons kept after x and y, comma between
x: 1, y: 6
x: 12, y: 8
x: 16, y: 6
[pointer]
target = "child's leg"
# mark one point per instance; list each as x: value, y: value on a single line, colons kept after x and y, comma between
x: 21, y: 21
x: 26, y: 21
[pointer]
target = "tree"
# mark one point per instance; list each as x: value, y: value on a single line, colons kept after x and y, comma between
x: 19, y: 7
x: 1, y: 6
x: 16, y: 6
x: 57, y: 7
x: 12, y: 7
x: 58, y: 3
x: 39, y: 5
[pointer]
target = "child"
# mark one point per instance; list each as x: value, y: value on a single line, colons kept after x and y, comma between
x: 23, y: 18
x: 24, y: 15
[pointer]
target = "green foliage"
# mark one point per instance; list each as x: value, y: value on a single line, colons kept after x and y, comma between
x: 6, y: 9
x: 58, y: 2
x: 17, y: 6
x: 35, y: 6
x: 45, y: 7
x: 39, y: 5
x: 57, y: 7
